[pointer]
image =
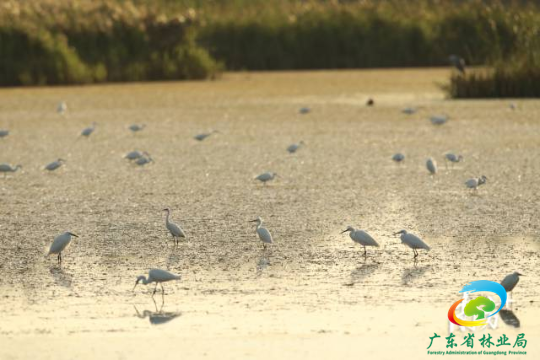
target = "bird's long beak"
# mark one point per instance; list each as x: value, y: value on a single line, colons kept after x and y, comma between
x: 343, y: 231
x: 136, y: 283
x: 72, y: 234
x: 397, y: 233
x: 252, y: 220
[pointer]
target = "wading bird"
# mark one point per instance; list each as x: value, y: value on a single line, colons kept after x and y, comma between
x: 453, y: 158
x: 510, y: 281
x: 412, y: 241
x: 62, y: 108
x: 143, y: 160
x: 399, y: 157
x: 5, y: 168
x: 60, y: 243
x: 4, y: 133
x: 136, y: 127
x: 304, y: 110
x: 54, y: 165
x: 361, y: 237
x: 175, y: 230
x: 263, y: 233
x: 133, y: 155
x: 475, y: 183
x: 89, y: 130
x: 159, y: 277
x: 294, y: 147
x: 457, y: 62
x: 267, y: 176
x: 201, y: 137
x: 438, y: 119
x: 409, y: 110
x: 431, y: 165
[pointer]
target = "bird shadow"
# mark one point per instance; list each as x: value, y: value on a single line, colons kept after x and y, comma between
x: 362, y: 272
x: 157, y: 317
x: 413, y: 273
x: 509, y: 318
x: 263, y: 263
x: 60, y: 277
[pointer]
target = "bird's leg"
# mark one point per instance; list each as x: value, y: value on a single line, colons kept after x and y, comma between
x: 60, y: 257
x: 415, y: 253
x: 162, y: 290
x: 155, y: 289
x: 264, y: 246
x: 365, y: 252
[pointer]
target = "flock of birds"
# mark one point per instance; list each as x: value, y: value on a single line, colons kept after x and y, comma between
x: 158, y: 276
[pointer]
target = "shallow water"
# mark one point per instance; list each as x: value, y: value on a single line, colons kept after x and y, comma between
x: 313, y: 287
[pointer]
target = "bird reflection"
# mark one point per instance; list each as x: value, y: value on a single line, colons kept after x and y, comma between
x: 263, y: 264
x: 413, y: 273
x: 60, y: 277
x: 509, y: 318
x: 362, y: 272
x: 157, y: 317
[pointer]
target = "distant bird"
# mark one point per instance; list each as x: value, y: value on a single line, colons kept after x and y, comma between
x: 453, y: 157
x: 431, y: 165
x: 399, y: 157
x: 267, y: 176
x: 510, y: 281
x: 136, y: 127
x: 458, y: 63
x: 54, y: 165
x: 4, y: 133
x: 370, y: 102
x: 512, y: 106
x: 263, y: 233
x: 361, y: 237
x: 60, y: 243
x: 304, y: 110
x: 5, y: 168
x: 89, y: 130
x: 201, y: 137
x: 143, y: 160
x: 438, y: 119
x: 175, y: 230
x: 294, y: 147
x: 412, y: 241
x: 409, y: 110
x: 159, y: 277
x: 133, y: 155
x: 62, y: 108
x: 474, y: 183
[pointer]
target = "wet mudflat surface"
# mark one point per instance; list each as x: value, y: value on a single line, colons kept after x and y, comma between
x: 312, y: 293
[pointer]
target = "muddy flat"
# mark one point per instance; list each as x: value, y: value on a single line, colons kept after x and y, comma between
x: 311, y: 294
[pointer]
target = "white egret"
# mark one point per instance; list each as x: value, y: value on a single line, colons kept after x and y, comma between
x: 89, y: 130
x: 399, y: 157
x: 412, y: 241
x: 60, y: 243
x: 133, y: 155
x: 431, y: 165
x: 458, y: 63
x: 54, y: 165
x: 438, y: 119
x: 5, y: 168
x: 304, y: 110
x: 264, y: 234
x: 136, y: 127
x: 175, y: 230
x: 474, y: 183
x: 201, y: 137
x: 159, y: 277
x: 361, y: 237
x: 294, y: 147
x: 510, y: 281
x: 4, y: 133
x: 267, y: 176
x: 62, y: 108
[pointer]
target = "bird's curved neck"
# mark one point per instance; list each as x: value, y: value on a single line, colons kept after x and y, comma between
x: 144, y: 280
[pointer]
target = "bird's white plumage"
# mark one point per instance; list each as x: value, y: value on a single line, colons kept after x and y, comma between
x: 453, y: 157
x: 143, y: 160
x: 431, y: 165
x: 89, y: 130
x: 4, y: 133
x: 263, y: 233
x: 409, y: 110
x: 474, y: 183
x: 413, y: 241
x: 158, y: 275
x: 175, y: 230
x: 60, y: 243
x: 294, y: 147
x: 363, y: 238
x: 62, y: 108
x: 136, y: 127
x: 510, y: 281
x: 438, y: 119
